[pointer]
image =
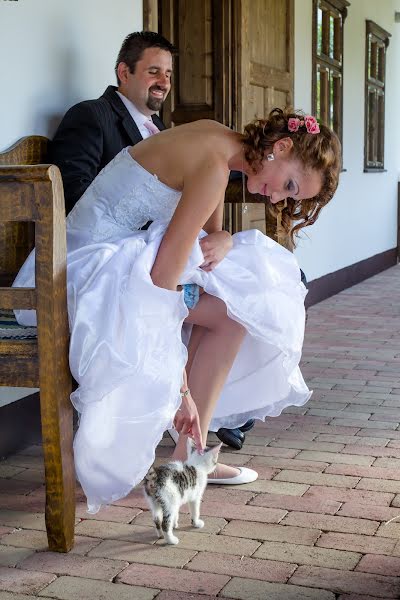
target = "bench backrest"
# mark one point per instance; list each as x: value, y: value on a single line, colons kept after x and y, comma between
x: 17, y: 238
x: 32, y: 195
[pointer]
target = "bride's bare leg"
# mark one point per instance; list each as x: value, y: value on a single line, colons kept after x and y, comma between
x: 214, y: 348
x: 195, y: 337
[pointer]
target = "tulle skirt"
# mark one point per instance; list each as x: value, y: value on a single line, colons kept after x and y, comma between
x: 127, y: 353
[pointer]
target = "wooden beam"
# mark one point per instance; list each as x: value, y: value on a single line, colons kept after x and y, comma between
x: 150, y: 15
x: 280, y: 80
x: 17, y: 298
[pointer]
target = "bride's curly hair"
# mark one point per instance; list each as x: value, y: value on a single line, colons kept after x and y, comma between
x: 320, y: 151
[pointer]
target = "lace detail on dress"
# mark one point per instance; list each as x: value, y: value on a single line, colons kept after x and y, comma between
x: 106, y: 230
x: 148, y: 201
x: 122, y: 198
x: 132, y: 211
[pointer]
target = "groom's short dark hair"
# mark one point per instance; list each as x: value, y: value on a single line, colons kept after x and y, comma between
x: 136, y: 43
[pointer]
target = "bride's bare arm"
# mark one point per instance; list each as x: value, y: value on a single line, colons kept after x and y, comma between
x: 214, y: 223
x: 203, y: 190
x: 217, y: 243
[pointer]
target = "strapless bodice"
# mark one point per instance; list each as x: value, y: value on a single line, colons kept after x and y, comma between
x: 122, y: 198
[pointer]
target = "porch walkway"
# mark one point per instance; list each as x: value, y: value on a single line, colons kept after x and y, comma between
x: 312, y: 527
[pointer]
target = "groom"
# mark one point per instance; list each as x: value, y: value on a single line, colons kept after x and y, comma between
x: 93, y: 132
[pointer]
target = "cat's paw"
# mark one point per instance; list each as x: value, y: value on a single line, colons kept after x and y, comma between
x: 199, y: 524
x: 172, y: 539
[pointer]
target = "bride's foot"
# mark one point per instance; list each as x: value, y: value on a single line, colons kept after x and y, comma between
x: 226, y: 475
x: 224, y: 472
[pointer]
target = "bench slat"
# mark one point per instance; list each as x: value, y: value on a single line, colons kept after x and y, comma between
x: 17, y: 298
x: 19, y: 364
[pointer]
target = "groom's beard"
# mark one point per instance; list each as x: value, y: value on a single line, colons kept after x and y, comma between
x: 154, y: 103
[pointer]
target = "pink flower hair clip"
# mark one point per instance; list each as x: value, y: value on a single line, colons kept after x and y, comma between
x: 310, y: 123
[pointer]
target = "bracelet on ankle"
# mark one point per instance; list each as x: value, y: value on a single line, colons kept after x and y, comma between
x: 185, y: 393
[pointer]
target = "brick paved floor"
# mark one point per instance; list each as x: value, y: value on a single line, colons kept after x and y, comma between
x: 315, y: 524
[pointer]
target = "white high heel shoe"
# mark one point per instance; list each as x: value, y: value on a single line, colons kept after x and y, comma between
x: 245, y: 476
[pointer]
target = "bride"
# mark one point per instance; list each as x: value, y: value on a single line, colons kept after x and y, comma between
x: 239, y: 298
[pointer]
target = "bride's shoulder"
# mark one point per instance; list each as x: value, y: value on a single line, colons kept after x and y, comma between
x: 207, y: 125
x: 206, y: 164
x: 207, y: 137
x: 202, y: 149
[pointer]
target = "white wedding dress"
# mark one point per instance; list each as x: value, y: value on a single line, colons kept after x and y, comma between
x: 126, y: 350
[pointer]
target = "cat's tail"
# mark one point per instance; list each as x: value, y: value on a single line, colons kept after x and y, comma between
x: 150, y: 482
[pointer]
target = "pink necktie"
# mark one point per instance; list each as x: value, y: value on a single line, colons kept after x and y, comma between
x: 151, y: 127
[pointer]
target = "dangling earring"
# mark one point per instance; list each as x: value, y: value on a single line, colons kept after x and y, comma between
x: 270, y: 157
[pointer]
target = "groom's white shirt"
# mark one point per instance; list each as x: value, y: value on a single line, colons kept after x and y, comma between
x: 136, y: 115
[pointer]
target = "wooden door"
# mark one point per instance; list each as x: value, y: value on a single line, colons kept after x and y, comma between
x: 203, y: 70
x: 265, y: 31
x: 235, y: 63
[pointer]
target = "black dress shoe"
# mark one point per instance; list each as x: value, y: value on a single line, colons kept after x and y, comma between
x: 231, y: 437
x: 248, y: 425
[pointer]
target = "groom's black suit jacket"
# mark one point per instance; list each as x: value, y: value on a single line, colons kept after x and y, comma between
x: 89, y: 136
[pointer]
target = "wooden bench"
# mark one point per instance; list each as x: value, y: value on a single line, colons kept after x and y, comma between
x: 32, y: 213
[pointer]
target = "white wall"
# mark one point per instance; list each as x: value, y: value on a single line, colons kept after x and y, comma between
x: 55, y: 53
x: 361, y: 220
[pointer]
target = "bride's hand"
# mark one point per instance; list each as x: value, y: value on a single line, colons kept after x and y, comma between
x: 215, y: 246
x: 187, y: 420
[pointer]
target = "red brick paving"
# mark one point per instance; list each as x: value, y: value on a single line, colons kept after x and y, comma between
x: 314, y: 525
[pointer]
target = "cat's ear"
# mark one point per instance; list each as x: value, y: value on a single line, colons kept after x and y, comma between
x: 189, y: 446
x: 215, y: 449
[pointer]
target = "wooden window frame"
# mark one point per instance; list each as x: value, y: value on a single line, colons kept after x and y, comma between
x: 375, y: 84
x: 331, y: 66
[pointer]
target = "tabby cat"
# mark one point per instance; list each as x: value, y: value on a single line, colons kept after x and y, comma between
x: 169, y: 486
